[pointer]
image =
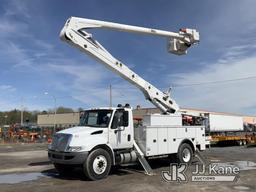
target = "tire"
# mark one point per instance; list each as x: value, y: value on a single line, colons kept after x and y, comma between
x: 185, y: 154
x: 240, y: 142
x: 97, y: 165
x: 63, y: 169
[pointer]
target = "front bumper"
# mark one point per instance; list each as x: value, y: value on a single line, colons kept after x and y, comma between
x: 67, y: 157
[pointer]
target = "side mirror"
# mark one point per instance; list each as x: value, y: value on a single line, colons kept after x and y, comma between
x: 114, y: 124
x: 126, y: 119
x: 120, y: 120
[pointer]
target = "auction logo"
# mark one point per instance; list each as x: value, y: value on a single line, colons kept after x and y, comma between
x: 176, y: 173
x: 212, y: 173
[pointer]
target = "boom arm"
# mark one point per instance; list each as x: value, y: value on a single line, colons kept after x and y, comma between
x: 74, y: 33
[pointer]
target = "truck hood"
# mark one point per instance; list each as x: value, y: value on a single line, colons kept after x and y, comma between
x: 87, y: 137
x: 82, y: 130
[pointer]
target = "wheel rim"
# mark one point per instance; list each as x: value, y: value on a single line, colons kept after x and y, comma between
x: 99, y: 164
x: 186, y: 155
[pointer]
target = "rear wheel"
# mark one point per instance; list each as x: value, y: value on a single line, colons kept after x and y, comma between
x: 185, y: 153
x: 98, y: 164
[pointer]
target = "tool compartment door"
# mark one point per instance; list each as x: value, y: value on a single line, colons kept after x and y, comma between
x: 162, y: 140
x: 151, y: 140
x: 172, y: 140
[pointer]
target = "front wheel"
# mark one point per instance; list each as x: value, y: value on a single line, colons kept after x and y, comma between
x: 185, y: 153
x: 98, y: 164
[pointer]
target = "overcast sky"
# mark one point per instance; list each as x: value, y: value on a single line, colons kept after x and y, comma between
x: 33, y: 60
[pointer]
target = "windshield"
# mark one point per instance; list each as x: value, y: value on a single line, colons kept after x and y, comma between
x: 95, y: 118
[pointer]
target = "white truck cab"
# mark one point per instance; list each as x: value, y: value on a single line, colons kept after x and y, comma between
x: 102, y: 128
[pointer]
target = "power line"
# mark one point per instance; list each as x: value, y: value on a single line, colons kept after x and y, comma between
x: 214, y: 82
x: 193, y: 84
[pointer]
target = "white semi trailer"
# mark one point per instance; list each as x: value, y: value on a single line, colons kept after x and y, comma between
x: 226, y: 128
x: 106, y: 136
x: 224, y: 123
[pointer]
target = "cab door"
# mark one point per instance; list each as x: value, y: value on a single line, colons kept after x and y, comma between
x: 120, y: 132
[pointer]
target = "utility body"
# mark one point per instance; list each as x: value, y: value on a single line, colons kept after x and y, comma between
x: 107, y: 136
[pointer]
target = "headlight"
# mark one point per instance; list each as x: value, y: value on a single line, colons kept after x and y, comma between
x: 74, y: 148
x: 61, y: 141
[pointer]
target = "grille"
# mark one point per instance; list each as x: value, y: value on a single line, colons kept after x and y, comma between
x: 60, y: 141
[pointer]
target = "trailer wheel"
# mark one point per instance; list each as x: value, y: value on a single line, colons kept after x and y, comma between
x: 63, y: 169
x: 98, y: 165
x: 185, y: 154
x: 240, y: 142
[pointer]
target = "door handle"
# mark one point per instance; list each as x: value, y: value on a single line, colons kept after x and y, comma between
x: 129, y: 137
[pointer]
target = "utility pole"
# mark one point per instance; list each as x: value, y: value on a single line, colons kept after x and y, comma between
x: 55, y: 111
x: 6, y: 116
x: 110, y: 95
x: 21, y: 111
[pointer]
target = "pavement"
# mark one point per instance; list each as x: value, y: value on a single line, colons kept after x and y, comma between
x: 25, y: 167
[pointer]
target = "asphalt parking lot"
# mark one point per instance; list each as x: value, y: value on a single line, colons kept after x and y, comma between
x: 25, y: 167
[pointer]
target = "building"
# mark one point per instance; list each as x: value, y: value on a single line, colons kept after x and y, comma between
x: 62, y: 120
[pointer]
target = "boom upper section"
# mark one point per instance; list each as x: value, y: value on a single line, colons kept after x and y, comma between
x: 74, y: 32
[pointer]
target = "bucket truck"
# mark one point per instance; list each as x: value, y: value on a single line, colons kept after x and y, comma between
x: 107, y: 136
